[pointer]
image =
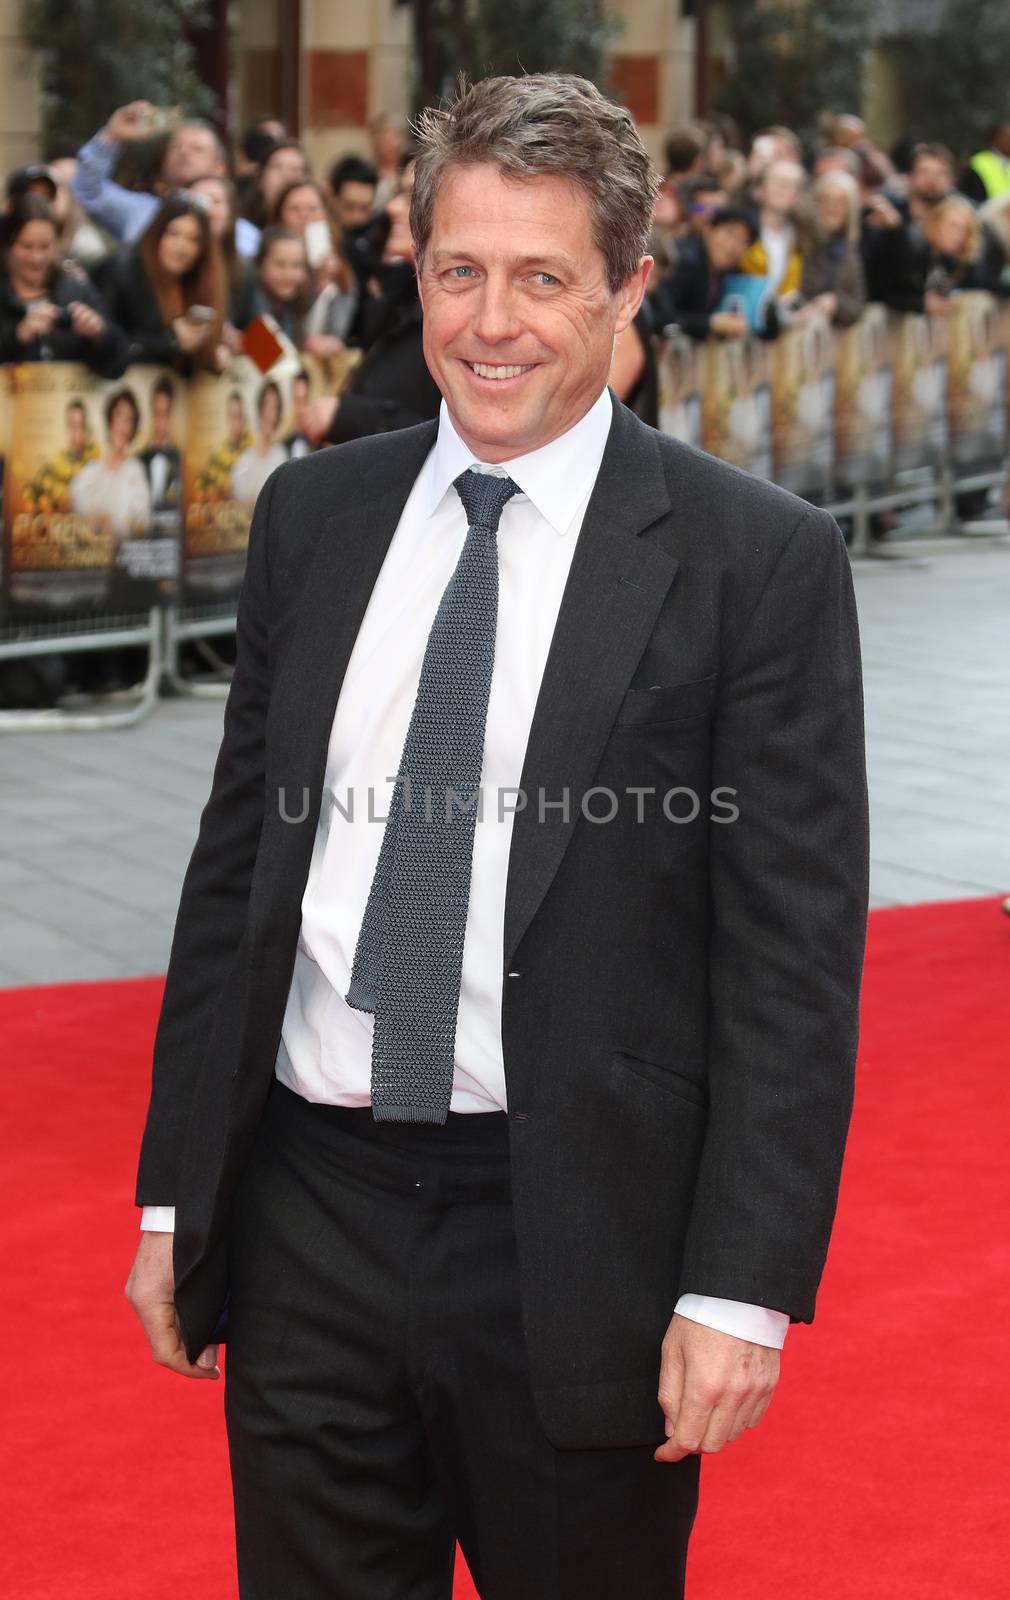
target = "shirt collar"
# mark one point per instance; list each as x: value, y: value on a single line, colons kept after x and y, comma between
x: 556, y: 478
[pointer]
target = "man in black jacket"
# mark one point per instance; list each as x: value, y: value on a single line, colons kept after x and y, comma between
x: 691, y: 294
x: 505, y: 1103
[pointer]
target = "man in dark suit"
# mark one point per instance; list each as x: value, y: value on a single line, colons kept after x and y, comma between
x: 505, y: 1102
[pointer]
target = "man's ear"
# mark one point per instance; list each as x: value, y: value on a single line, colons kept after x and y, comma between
x: 632, y: 293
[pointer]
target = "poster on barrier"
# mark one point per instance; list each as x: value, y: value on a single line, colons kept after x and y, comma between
x: 863, y: 398
x: 5, y: 442
x: 679, y: 370
x: 242, y: 424
x: 977, y: 379
x: 919, y: 367
x: 92, y: 503
x: 803, y: 407
x: 737, y: 403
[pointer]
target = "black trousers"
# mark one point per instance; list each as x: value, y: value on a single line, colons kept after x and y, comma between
x: 377, y: 1395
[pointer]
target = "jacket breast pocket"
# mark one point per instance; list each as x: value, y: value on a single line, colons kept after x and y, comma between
x: 675, y: 702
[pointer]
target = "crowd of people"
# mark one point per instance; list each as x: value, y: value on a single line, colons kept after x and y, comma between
x: 109, y: 261
x: 851, y: 224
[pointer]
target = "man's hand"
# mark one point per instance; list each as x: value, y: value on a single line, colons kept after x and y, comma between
x: 711, y: 1387
x: 150, y: 1289
x: 129, y: 122
x: 728, y: 324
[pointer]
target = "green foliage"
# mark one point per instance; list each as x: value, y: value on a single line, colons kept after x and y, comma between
x: 954, y: 77
x: 794, y: 61
x: 100, y: 54
x: 491, y: 37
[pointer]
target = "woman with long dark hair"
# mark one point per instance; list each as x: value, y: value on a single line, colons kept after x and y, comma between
x: 48, y: 313
x: 169, y: 291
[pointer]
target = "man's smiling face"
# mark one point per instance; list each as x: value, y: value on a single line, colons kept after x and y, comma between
x: 519, y: 321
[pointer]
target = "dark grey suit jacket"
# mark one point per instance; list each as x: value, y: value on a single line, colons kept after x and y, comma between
x: 680, y: 1013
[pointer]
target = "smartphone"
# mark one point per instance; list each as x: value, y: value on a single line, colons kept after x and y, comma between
x: 161, y: 119
x: 318, y: 243
x: 200, y: 314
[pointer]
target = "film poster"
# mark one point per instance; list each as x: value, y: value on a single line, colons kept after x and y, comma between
x: 803, y: 407
x: 680, y: 389
x: 92, y: 509
x: 242, y: 425
x: 737, y: 403
x: 977, y: 379
x: 863, y: 399
x: 919, y: 364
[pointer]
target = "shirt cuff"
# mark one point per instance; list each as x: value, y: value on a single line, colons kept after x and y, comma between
x: 158, y: 1219
x: 758, y: 1324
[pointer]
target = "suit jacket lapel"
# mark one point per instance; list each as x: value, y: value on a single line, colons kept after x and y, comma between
x: 616, y: 587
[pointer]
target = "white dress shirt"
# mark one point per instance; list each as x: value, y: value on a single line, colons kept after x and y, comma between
x: 326, y: 1046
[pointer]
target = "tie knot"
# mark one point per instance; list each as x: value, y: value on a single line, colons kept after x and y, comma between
x: 484, y: 496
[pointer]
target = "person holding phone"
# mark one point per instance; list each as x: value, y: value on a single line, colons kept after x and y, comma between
x: 193, y: 150
x: 169, y: 290
x: 46, y: 312
x: 304, y: 208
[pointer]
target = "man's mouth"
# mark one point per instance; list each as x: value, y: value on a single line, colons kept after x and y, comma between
x: 484, y: 370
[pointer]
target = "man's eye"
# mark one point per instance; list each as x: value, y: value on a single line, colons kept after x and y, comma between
x: 547, y: 278
x: 457, y: 271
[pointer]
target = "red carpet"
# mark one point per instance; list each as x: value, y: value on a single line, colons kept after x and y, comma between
x: 881, y: 1470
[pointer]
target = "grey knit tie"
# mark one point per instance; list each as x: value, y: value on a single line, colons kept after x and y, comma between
x: 409, y: 956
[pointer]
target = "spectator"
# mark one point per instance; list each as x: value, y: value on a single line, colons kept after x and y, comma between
x: 884, y: 241
x: 352, y: 187
x: 79, y: 240
x: 994, y: 218
x: 833, y: 281
x: 282, y: 279
x: 953, y: 258
x: 777, y: 253
x: 988, y: 172
x: 837, y: 158
x: 732, y: 175
x: 31, y: 180
x: 668, y: 226
x: 701, y: 197
x: 193, y: 150
x: 333, y: 295
x: 389, y: 148
x: 392, y: 387
x: 220, y: 198
x: 930, y: 180
x: 46, y: 312
x: 690, y: 296
x: 168, y: 291
x: 634, y: 375
x: 255, y: 145
x: 945, y: 257
x: 299, y: 203
x: 284, y: 165
x: 684, y: 150
x: 255, y: 464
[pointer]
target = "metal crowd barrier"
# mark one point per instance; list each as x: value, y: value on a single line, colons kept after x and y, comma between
x: 20, y: 641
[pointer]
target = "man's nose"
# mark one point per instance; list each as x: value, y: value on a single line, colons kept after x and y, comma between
x: 496, y: 317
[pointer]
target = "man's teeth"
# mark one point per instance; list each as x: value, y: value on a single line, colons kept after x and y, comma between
x: 483, y: 371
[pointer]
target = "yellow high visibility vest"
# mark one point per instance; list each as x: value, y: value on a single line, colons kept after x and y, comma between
x: 994, y: 170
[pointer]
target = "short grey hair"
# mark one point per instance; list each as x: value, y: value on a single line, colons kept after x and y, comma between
x: 552, y: 123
